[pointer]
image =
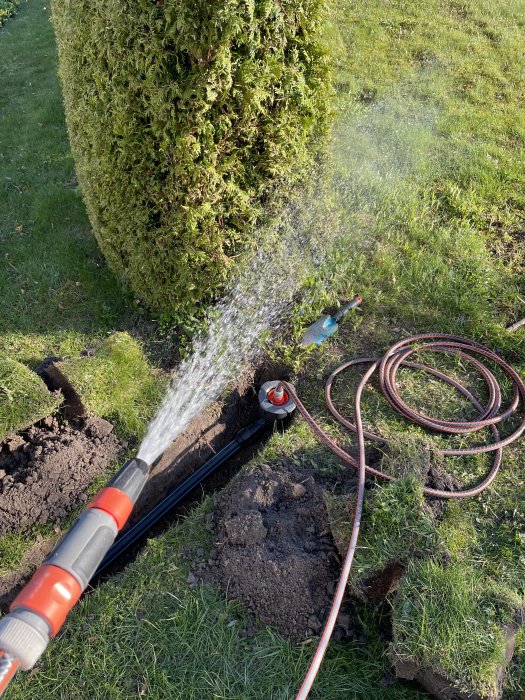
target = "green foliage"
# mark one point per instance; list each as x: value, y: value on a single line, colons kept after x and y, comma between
x: 24, y: 398
x: 183, y: 116
x: 117, y: 382
x: 450, y: 618
x: 7, y: 9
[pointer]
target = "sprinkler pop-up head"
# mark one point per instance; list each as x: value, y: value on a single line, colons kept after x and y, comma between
x: 274, y: 400
x: 327, y: 325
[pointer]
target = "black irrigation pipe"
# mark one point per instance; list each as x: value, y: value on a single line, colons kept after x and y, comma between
x: 128, y: 539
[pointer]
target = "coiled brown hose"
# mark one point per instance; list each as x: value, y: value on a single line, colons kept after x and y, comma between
x: 490, y: 416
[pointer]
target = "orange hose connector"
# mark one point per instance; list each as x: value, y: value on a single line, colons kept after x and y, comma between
x: 8, y: 667
x: 396, y: 357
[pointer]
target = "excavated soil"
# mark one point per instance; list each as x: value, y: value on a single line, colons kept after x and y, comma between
x: 275, y: 554
x: 45, y: 472
x: 438, y: 478
x: 217, y: 425
x: 206, y: 434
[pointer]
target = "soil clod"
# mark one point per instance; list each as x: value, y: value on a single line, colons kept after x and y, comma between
x: 45, y: 472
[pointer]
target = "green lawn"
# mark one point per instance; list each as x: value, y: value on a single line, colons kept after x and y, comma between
x: 428, y: 154
x: 57, y: 295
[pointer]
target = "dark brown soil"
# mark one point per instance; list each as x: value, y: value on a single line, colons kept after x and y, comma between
x: 45, y: 472
x: 438, y: 478
x: 207, y: 434
x: 274, y: 551
x: 382, y: 583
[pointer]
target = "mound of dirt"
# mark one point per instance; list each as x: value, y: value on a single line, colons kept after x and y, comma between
x: 275, y: 553
x: 45, y: 473
x: 438, y: 478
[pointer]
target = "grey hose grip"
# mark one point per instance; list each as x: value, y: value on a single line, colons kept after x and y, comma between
x: 131, y: 478
x: 85, y: 545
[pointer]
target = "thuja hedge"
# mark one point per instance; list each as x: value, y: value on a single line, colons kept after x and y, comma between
x: 183, y: 115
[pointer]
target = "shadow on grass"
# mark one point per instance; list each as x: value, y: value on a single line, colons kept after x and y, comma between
x: 53, y: 278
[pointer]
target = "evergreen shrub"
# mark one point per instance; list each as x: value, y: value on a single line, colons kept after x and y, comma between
x: 183, y: 116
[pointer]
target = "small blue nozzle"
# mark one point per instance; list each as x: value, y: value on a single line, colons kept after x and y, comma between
x: 327, y: 325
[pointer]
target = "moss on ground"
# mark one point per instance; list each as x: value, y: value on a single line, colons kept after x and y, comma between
x: 24, y: 398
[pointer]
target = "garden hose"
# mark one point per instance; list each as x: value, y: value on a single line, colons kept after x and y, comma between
x: 42, y: 606
x: 387, y: 366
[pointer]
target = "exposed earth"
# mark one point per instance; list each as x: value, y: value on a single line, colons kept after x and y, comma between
x: 275, y: 553
x: 46, y: 471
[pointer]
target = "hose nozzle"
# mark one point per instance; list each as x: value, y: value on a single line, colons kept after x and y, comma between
x: 327, y: 325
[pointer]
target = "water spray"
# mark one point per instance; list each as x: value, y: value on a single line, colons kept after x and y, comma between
x: 40, y: 609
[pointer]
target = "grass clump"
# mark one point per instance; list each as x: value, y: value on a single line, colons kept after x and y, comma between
x: 396, y: 524
x: 116, y: 381
x: 24, y: 398
x: 182, y: 117
x: 451, y: 619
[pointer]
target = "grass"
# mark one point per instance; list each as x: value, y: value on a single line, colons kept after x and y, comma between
x: 24, y: 398
x: 428, y: 166
x: 449, y: 618
x: 57, y: 294
x: 149, y: 633
x: 116, y: 381
x: 397, y: 524
x: 58, y: 297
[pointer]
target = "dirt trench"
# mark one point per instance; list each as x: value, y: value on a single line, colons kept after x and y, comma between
x: 46, y: 471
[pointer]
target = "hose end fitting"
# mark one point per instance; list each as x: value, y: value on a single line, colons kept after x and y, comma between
x: 275, y: 401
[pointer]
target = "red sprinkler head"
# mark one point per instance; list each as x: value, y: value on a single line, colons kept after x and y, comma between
x: 275, y: 401
x: 278, y: 396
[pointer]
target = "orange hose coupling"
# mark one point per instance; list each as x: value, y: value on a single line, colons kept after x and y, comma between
x: 114, y: 502
x: 51, y: 593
